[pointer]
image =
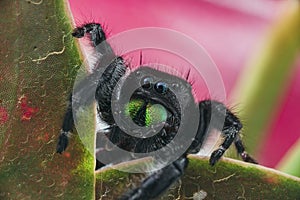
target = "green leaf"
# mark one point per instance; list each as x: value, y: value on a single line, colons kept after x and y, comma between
x: 38, y: 63
x: 229, y: 179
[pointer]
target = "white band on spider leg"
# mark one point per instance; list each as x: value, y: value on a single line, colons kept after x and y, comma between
x: 66, y: 133
x: 222, y: 148
x: 244, y: 154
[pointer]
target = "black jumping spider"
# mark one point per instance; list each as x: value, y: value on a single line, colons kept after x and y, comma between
x: 156, y: 92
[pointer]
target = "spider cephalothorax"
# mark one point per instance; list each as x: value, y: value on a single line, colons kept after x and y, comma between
x: 148, y: 101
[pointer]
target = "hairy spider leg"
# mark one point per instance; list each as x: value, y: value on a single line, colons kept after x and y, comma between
x: 115, y: 69
x: 67, y: 126
x: 159, y: 181
x: 241, y: 151
x: 230, y: 127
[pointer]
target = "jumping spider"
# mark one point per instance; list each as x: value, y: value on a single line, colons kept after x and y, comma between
x: 156, y: 92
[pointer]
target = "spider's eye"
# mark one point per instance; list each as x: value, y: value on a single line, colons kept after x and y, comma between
x: 161, y: 87
x: 147, y: 82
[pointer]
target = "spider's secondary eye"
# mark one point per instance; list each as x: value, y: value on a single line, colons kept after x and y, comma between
x: 161, y: 87
x: 147, y: 82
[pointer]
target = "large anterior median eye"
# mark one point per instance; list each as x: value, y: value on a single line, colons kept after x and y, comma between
x: 147, y: 82
x: 133, y: 107
x: 155, y: 113
x: 149, y: 115
x: 161, y: 87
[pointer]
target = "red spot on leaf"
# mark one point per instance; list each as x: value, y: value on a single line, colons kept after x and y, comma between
x: 46, y: 137
x: 67, y: 154
x: 3, y: 115
x: 271, y: 180
x: 27, y: 111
